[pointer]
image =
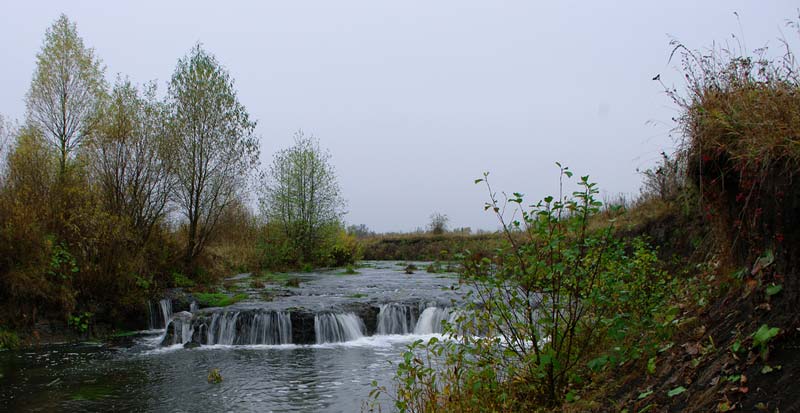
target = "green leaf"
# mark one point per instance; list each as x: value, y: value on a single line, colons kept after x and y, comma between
x: 651, y: 365
x: 764, y: 334
x: 477, y: 181
x: 774, y: 289
x: 644, y: 395
x: 568, y: 174
x: 598, y: 363
x: 766, y: 369
x: 676, y: 391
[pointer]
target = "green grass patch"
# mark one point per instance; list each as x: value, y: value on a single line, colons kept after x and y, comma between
x: 348, y: 271
x: 218, y: 299
x: 182, y: 281
x: 275, y: 278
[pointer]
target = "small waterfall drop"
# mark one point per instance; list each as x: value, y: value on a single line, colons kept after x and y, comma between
x: 182, y: 329
x: 223, y: 328
x: 229, y: 328
x: 395, y: 319
x: 158, y: 316
x: 152, y: 316
x: 334, y: 328
x: 166, y: 310
x: 430, y: 321
x: 267, y: 328
x: 193, y: 307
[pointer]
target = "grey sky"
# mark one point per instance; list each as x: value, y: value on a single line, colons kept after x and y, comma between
x: 415, y: 99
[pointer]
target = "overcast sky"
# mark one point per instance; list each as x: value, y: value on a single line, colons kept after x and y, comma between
x: 415, y: 99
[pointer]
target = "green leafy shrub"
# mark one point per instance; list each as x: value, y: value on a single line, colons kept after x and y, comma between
x: 9, y: 340
x: 182, y: 281
x: 555, y: 304
x: 80, y: 322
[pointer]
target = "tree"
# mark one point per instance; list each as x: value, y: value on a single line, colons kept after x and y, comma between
x: 214, y: 144
x: 301, y: 193
x: 130, y: 160
x: 6, y: 130
x: 67, y: 88
x: 438, y: 224
x: 360, y: 231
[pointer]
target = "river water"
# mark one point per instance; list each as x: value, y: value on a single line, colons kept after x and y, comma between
x: 149, y: 373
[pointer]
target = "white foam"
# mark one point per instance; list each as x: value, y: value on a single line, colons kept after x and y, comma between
x: 377, y: 341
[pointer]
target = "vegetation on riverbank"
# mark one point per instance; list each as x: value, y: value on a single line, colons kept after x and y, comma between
x: 583, y: 315
x: 111, y: 194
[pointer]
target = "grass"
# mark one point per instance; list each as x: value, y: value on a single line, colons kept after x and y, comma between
x: 274, y: 278
x: 357, y: 295
x: 218, y: 299
x: 182, y: 281
x: 348, y: 271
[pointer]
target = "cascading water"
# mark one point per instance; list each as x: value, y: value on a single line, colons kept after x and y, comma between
x: 335, y: 328
x: 158, y: 316
x: 222, y: 329
x: 182, y: 329
x: 268, y: 328
x: 230, y: 328
x: 395, y: 319
x: 166, y: 310
x: 431, y: 320
x: 194, y: 307
x: 152, y: 316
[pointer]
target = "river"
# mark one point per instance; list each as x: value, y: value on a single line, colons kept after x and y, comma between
x: 318, y: 349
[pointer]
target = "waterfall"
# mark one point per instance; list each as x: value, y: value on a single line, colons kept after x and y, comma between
x: 430, y: 321
x: 395, y: 319
x: 182, y: 329
x: 166, y: 310
x: 272, y: 327
x: 158, y: 316
x: 152, y: 316
x: 267, y: 328
x: 223, y: 328
x: 193, y: 307
x: 332, y: 328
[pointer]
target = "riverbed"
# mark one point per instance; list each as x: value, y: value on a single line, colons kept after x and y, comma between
x: 331, y: 371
